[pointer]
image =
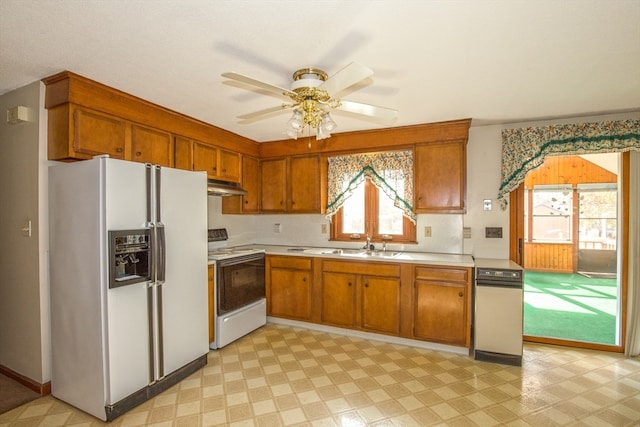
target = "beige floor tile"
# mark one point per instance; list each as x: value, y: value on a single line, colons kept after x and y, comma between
x: 284, y: 376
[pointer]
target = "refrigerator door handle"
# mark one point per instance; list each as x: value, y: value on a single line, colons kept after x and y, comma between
x: 148, y: 167
x: 152, y: 344
x: 161, y: 261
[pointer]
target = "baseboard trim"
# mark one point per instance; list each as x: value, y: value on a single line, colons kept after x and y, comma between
x: 426, y: 345
x: 41, y: 389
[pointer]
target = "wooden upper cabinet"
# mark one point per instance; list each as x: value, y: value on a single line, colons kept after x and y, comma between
x: 250, y: 203
x: 151, y: 146
x: 78, y: 133
x: 96, y: 133
x: 273, y: 192
x: 229, y: 168
x: 441, y: 183
x: 304, y: 184
x: 205, y: 158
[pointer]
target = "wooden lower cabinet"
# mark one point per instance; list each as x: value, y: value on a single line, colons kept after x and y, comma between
x: 442, y: 305
x: 361, y: 296
x: 415, y: 301
x: 289, y: 282
x: 212, y: 302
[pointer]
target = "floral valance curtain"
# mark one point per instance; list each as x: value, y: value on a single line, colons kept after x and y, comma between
x: 391, y: 172
x: 524, y: 149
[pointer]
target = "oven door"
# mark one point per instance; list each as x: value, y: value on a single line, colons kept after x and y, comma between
x: 239, y: 282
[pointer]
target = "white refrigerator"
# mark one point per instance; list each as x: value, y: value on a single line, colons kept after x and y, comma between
x: 119, y: 335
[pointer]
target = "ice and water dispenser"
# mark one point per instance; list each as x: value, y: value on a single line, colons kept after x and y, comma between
x: 129, y: 257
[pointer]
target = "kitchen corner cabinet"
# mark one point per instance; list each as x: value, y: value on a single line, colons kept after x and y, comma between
x: 212, y: 301
x: 440, y: 177
x: 289, y: 286
x: 362, y: 296
x: 250, y: 203
x: 442, y: 305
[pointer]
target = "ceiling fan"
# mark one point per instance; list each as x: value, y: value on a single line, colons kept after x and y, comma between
x: 312, y: 97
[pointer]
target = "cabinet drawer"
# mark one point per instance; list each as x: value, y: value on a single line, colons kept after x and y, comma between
x: 369, y: 268
x: 442, y: 274
x: 292, y: 262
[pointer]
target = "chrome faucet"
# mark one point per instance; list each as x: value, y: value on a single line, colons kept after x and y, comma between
x: 369, y: 246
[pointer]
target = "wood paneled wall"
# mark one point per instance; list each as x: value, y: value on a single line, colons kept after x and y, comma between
x: 573, y: 170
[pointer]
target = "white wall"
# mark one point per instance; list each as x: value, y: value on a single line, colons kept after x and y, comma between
x: 24, y: 319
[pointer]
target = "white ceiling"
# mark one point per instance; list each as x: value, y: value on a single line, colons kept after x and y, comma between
x: 493, y: 61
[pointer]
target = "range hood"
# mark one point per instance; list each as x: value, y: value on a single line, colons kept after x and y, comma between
x: 223, y: 188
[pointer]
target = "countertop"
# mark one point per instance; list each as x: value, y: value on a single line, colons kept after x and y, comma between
x: 454, y: 260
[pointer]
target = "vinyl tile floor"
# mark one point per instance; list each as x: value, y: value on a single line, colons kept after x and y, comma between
x: 285, y: 376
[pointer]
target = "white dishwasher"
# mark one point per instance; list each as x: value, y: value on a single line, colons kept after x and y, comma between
x: 498, y: 314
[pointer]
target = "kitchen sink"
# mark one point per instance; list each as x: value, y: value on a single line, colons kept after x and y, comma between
x: 367, y: 254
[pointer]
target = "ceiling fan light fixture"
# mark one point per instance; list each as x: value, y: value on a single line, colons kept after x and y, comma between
x: 327, y: 123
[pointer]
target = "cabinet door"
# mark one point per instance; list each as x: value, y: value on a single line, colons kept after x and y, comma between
x: 205, y: 158
x: 212, y: 325
x: 229, y: 165
x: 304, y: 179
x: 381, y: 304
x: 183, y: 148
x: 338, y: 298
x: 440, y: 171
x: 290, y: 293
x: 151, y: 146
x: 251, y: 183
x: 440, y: 312
x: 273, y: 189
x: 96, y: 133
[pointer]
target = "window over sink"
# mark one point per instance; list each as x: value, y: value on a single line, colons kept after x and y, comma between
x: 371, y: 194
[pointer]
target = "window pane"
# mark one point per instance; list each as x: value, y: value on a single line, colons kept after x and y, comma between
x: 390, y: 219
x: 597, y: 223
x: 552, y: 214
x: 353, y: 212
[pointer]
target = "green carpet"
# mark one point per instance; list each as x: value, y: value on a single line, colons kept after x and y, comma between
x: 570, y: 306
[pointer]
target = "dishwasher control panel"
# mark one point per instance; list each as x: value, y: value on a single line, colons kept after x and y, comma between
x: 491, y: 273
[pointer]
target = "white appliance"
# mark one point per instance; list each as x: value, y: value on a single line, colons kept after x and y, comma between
x: 119, y: 335
x: 498, y: 314
x: 240, y: 303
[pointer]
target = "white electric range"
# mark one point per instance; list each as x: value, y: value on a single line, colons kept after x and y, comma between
x: 239, y: 285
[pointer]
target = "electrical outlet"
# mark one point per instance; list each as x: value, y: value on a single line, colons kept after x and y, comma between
x: 277, y: 228
x: 427, y: 232
x: 466, y: 232
x: 323, y: 228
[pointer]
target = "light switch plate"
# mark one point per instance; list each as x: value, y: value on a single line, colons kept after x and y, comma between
x: 486, y: 204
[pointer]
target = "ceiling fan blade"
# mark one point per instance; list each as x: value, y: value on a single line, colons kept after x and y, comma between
x: 261, y: 114
x: 275, y: 90
x: 386, y: 114
x: 346, y: 77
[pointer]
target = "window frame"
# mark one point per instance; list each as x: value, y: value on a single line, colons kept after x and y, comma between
x: 371, y: 214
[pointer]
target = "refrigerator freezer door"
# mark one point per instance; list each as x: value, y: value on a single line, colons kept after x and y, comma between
x: 128, y: 324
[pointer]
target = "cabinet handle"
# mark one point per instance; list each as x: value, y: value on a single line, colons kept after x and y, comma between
x: 246, y: 202
x: 460, y: 294
x: 349, y: 283
x: 119, y: 150
x: 304, y: 279
x: 138, y: 153
x: 214, y: 168
x: 366, y: 285
x: 224, y: 171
